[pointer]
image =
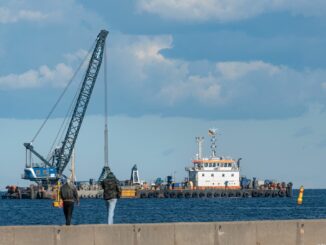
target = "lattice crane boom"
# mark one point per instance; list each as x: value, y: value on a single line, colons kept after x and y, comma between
x: 62, y: 155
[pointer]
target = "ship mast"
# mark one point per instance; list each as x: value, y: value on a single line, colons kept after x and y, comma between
x: 200, y: 141
x: 212, y: 133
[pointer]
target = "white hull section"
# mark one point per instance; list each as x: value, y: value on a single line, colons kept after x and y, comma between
x: 215, y: 179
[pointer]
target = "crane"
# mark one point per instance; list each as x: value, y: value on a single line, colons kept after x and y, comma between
x: 51, y: 169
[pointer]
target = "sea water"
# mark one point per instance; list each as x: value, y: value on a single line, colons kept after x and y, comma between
x: 93, y: 211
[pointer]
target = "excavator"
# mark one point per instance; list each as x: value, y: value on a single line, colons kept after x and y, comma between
x: 50, y: 169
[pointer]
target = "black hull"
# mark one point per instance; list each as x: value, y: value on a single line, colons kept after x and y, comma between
x: 213, y: 193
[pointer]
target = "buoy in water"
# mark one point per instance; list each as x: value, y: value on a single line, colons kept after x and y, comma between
x: 57, y: 203
x: 300, y: 197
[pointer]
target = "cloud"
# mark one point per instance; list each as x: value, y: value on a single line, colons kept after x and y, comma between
x: 56, y: 77
x: 10, y: 16
x: 50, y: 12
x: 251, y: 89
x: 203, y: 89
x: 227, y: 10
x: 76, y: 57
x: 43, y: 76
x: 143, y: 81
x: 235, y: 70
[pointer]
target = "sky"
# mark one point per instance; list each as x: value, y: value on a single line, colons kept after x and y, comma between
x: 253, y: 69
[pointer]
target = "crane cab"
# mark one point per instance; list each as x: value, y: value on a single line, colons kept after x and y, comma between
x: 39, y: 173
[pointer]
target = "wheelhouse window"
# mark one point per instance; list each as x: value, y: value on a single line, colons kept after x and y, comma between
x: 206, y: 164
x: 214, y: 164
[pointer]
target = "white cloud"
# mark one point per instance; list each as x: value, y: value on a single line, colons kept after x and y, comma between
x: 227, y: 10
x: 77, y: 56
x: 146, y: 78
x: 141, y: 68
x: 203, y: 89
x: 51, y: 12
x: 56, y: 77
x: 10, y: 16
x: 135, y: 58
x: 143, y: 73
x: 235, y: 70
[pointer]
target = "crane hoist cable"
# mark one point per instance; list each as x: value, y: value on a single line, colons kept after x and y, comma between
x: 105, y: 169
x: 106, y: 143
x: 64, y: 124
x: 62, y: 94
x: 63, y: 127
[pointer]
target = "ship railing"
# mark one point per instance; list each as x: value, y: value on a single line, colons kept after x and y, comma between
x: 193, y: 168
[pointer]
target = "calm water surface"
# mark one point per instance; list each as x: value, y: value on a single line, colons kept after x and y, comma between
x: 92, y: 211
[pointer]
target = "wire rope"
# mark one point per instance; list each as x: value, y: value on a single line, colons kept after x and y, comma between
x: 64, y: 123
x: 61, y: 95
x: 106, y: 153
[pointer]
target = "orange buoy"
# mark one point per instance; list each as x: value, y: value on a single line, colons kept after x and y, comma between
x: 300, y: 197
x: 57, y: 203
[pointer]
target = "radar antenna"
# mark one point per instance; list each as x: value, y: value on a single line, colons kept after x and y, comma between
x: 212, y: 133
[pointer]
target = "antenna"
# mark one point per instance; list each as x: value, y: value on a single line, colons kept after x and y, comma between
x: 212, y: 133
x: 199, y: 141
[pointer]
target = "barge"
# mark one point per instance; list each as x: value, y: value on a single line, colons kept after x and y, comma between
x: 214, y: 177
x: 208, y: 177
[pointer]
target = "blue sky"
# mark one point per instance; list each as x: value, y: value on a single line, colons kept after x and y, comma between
x: 253, y: 69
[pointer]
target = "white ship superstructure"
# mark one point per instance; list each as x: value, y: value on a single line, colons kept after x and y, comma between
x: 215, y: 171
